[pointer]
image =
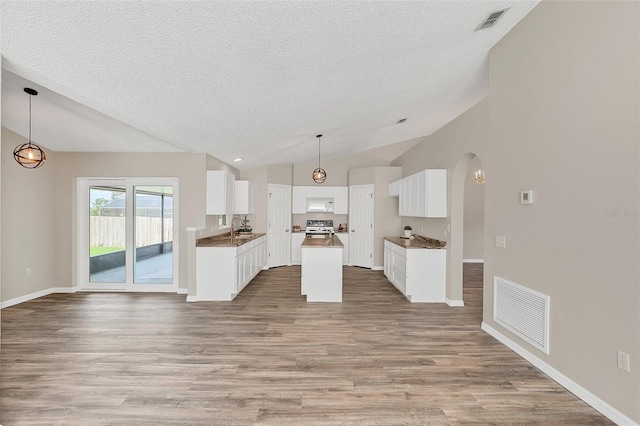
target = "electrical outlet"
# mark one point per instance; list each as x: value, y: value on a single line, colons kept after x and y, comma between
x: 623, y: 361
x: 28, y: 271
x: 501, y: 242
x: 421, y: 228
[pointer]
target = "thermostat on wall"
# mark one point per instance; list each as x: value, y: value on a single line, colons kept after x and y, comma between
x: 526, y: 197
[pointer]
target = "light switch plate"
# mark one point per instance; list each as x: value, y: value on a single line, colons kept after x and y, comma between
x: 501, y: 241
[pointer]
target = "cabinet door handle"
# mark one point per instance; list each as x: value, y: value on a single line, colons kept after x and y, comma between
x: 353, y: 230
x: 286, y: 230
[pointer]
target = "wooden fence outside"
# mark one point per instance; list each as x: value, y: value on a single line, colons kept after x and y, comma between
x: 109, y: 231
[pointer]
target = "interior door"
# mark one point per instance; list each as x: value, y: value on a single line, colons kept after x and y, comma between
x: 279, y: 226
x: 361, y: 225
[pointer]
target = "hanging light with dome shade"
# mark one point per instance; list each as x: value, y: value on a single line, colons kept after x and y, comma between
x: 319, y: 175
x: 29, y: 155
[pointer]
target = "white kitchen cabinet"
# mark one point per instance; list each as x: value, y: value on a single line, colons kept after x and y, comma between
x: 423, y: 194
x: 296, y: 247
x: 419, y: 274
x: 394, y: 188
x: 299, y: 200
x: 222, y: 272
x: 340, y: 200
x: 243, y: 197
x: 320, y: 191
x: 220, y: 192
x: 344, y: 239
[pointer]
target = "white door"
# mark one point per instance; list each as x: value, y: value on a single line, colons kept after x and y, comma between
x: 279, y: 226
x: 126, y: 234
x: 361, y: 225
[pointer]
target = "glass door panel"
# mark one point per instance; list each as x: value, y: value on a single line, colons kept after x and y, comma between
x: 107, y: 234
x: 153, y: 235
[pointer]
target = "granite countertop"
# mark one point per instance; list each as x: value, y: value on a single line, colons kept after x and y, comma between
x: 322, y: 241
x: 224, y: 240
x: 419, y: 242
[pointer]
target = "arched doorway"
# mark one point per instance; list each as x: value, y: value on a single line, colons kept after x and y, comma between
x: 462, y: 173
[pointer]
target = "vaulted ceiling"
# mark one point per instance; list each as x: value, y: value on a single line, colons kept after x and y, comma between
x: 250, y: 80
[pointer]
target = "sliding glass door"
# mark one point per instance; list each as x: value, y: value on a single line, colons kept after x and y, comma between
x: 126, y: 234
x: 153, y: 235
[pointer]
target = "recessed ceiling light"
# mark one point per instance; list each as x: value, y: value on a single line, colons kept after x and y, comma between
x: 235, y: 160
x: 402, y: 120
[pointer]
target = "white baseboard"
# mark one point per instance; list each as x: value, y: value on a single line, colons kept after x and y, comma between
x: 582, y: 393
x: 192, y: 299
x: 377, y: 268
x: 453, y: 302
x: 37, y: 294
x: 182, y: 290
x: 472, y: 260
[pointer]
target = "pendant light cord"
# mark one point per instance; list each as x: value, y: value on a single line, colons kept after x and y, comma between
x: 30, y: 119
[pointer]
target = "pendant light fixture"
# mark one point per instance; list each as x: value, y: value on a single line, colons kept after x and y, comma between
x: 319, y: 175
x: 29, y: 155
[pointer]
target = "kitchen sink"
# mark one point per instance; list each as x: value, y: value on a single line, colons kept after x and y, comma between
x: 242, y: 237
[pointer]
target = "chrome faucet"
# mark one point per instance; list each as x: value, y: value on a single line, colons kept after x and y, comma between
x: 234, y: 218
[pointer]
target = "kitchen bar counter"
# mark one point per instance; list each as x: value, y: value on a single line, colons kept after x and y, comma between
x: 321, y: 279
x: 225, y: 240
x: 419, y: 242
x: 322, y: 241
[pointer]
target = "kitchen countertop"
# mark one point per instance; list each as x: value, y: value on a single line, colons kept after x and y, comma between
x: 224, y: 240
x: 325, y: 241
x: 419, y: 242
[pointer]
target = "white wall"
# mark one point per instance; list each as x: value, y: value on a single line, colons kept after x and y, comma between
x: 565, y: 119
x: 473, y: 248
x: 562, y: 119
x: 190, y: 169
x: 28, y: 226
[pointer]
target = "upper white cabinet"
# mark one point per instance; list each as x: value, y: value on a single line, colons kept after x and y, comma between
x: 340, y: 195
x: 220, y: 192
x: 243, y: 199
x: 341, y: 200
x: 299, y: 200
x: 394, y: 188
x: 423, y: 194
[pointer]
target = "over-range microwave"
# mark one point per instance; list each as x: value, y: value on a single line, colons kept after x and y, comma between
x: 319, y: 205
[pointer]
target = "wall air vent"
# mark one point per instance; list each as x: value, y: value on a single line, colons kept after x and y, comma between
x: 491, y: 20
x: 522, y: 311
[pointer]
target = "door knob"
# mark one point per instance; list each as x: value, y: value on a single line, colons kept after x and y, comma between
x: 353, y: 230
x: 286, y: 230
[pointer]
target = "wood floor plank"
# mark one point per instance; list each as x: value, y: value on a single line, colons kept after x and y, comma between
x: 270, y: 358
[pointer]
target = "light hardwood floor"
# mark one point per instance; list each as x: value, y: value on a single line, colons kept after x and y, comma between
x: 269, y: 358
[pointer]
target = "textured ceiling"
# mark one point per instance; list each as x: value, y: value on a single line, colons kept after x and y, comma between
x: 256, y: 80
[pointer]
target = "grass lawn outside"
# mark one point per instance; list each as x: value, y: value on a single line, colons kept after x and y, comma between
x: 96, y: 251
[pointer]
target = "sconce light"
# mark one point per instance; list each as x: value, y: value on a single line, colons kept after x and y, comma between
x: 480, y: 177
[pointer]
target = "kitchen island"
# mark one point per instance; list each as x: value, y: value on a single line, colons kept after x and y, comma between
x: 416, y: 267
x: 322, y: 268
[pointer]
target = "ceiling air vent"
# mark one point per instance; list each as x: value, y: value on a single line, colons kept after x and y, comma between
x: 490, y: 20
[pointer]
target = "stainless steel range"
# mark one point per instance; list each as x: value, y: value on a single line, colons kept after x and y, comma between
x: 317, y: 227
